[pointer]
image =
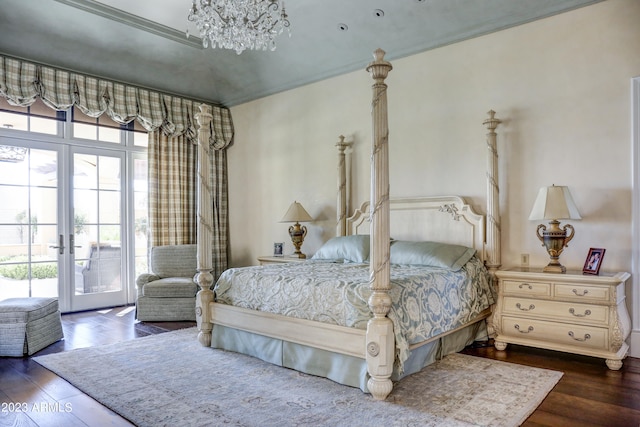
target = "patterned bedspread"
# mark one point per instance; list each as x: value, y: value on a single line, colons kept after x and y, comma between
x: 426, y: 301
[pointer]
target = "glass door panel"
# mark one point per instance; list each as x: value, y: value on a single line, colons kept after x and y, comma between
x: 97, y: 244
x: 28, y: 222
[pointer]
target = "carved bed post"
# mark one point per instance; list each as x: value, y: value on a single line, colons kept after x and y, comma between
x: 380, y: 340
x: 342, y: 207
x: 492, y: 255
x: 204, y: 278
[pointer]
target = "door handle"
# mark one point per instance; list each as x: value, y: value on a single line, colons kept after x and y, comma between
x: 60, y: 246
x: 72, y: 246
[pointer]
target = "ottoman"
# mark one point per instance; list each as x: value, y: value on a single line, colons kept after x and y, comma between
x: 28, y: 325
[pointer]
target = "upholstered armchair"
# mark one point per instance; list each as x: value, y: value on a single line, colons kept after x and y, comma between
x: 168, y: 293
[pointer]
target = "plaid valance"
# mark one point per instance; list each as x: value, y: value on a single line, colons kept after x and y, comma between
x: 21, y: 82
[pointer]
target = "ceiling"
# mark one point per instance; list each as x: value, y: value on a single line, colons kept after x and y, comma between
x: 143, y: 42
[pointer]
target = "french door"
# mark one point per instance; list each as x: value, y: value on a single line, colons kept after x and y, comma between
x: 62, y: 232
x: 96, y: 233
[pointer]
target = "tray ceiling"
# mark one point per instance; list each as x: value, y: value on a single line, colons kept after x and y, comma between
x: 143, y: 42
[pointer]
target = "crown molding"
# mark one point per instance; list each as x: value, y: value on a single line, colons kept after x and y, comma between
x: 125, y: 18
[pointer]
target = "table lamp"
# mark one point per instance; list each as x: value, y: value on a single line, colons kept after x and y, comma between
x: 296, y: 213
x: 554, y: 203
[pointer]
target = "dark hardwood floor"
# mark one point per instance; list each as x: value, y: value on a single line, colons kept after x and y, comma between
x: 589, y: 394
x: 24, y: 381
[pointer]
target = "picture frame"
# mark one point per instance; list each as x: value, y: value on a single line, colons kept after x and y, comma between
x: 278, y: 249
x: 594, y: 261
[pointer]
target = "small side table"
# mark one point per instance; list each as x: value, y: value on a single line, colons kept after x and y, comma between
x: 264, y: 260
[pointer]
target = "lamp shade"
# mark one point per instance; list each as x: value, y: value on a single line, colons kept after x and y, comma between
x: 296, y: 213
x: 554, y: 203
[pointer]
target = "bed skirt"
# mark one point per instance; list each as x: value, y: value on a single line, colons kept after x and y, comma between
x: 343, y: 369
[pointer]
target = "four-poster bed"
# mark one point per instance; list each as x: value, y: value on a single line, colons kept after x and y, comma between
x: 367, y: 353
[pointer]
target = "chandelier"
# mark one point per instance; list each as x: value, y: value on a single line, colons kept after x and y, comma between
x: 239, y: 24
x: 13, y: 154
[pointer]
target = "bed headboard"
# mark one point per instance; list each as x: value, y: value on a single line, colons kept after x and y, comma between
x: 447, y: 219
x: 409, y: 217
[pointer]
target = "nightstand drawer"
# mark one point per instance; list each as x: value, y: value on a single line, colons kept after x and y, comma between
x: 531, y: 288
x: 555, y: 310
x: 540, y: 330
x: 583, y: 292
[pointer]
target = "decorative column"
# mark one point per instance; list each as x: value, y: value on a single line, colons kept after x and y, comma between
x: 204, y: 278
x: 492, y: 255
x: 380, y: 340
x: 342, y: 207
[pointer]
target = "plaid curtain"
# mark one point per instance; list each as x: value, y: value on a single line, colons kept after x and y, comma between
x: 172, y: 166
x: 21, y: 82
x: 173, y: 189
x: 172, y: 142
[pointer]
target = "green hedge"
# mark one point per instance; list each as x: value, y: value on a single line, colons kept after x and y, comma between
x: 20, y: 271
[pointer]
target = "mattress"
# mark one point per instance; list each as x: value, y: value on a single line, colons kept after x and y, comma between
x: 426, y: 301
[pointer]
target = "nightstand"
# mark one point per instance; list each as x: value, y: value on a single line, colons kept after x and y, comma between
x: 264, y: 260
x: 569, y: 312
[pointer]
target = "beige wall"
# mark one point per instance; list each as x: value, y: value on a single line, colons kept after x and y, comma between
x: 561, y: 86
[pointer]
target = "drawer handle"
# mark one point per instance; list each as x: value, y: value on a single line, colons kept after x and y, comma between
x: 521, y: 285
x: 586, y: 291
x: 529, y: 329
x: 586, y: 313
x: 531, y: 307
x: 586, y: 337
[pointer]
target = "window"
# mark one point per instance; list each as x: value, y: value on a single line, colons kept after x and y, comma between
x: 36, y: 118
x: 94, y: 142
x: 104, y: 129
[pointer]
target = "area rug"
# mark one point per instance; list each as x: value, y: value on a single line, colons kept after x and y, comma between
x: 171, y: 380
